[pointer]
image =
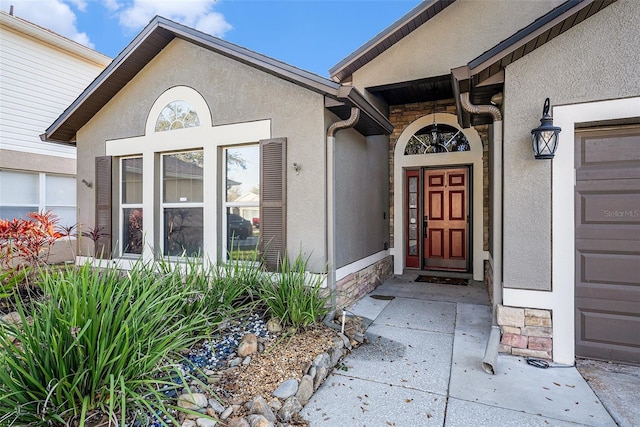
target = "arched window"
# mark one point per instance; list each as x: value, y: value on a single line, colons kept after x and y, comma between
x: 437, y: 138
x: 177, y: 115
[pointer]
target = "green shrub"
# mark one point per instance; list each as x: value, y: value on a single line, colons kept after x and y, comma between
x: 294, y: 296
x: 219, y: 290
x: 101, y: 339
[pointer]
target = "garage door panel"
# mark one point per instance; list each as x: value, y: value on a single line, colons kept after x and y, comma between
x: 620, y: 208
x: 609, y: 268
x: 607, y: 243
x: 610, y: 324
x: 610, y: 148
x: 596, y: 290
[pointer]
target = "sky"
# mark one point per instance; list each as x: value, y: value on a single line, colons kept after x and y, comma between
x: 310, y: 34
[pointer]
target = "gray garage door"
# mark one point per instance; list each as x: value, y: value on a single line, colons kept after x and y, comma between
x: 608, y: 245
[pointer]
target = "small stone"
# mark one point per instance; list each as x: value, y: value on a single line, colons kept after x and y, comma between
x: 248, y: 345
x: 291, y: 407
x: 260, y: 347
x: 189, y: 423
x: 235, y: 362
x: 256, y: 420
x: 338, y: 343
x: 216, y: 406
x: 305, y: 389
x: 312, y: 372
x: 287, y: 389
x: 246, y: 361
x: 335, y: 354
x: 275, y: 404
x: 12, y: 318
x: 260, y: 407
x: 208, y: 372
x: 274, y: 325
x: 210, y: 412
x: 321, y: 374
x: 321, y: 360
x: 345, y: 340
x: 226, y: 413
x: 204, y: 422
x: 238, y: 422
x: 193, y: 401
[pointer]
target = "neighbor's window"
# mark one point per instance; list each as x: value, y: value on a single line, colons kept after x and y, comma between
x: 177, y: 115
x: 131, y: 173
x: 182, y: 203
x: 24, y: 192
x: 242, y: 200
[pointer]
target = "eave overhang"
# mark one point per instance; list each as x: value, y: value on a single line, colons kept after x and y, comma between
x: 484, y: 77
x: 391, y: 35
x: 152, y: 40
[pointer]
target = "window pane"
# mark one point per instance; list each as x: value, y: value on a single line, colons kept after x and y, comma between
x: 132, y: 180
x: 183, y: 231
x: 66, y: 214
x: 243, y: 174
x: 60, y: 191
x: 243, y: 232
x: 19, y: 188
x: 177, y: 115
x: 132, y: 231
x: 11, y: 212
x: 182, y: 176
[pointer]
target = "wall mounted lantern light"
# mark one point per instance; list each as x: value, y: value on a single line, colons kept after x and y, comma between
x: 545, y: 136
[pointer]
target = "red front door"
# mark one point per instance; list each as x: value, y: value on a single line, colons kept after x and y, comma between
x: 437, y: 219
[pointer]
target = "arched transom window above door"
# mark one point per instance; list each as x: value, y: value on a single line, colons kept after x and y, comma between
x: 437, y: 138
x: 177, y: 115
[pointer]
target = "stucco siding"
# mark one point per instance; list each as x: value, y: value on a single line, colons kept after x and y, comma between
x: 596, y: 60
x: 234, y: 93
x: 362, y: 195
x: 455, y: 36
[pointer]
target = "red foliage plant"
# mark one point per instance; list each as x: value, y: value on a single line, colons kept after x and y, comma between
x: 26, y: 242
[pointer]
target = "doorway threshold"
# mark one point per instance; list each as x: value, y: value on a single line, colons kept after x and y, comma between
x: 439, y: 273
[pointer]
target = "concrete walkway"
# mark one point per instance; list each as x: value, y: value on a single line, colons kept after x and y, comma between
x: 422, y: 367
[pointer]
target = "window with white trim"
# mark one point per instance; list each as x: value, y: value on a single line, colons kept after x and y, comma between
x: 182, y: 203
x: 131, y: 205
x: 242, y: 200
x: 24, y: 192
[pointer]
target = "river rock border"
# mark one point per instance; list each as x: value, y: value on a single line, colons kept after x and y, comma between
x: 287, y: 400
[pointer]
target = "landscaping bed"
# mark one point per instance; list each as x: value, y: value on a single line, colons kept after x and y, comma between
x: 165, y: 344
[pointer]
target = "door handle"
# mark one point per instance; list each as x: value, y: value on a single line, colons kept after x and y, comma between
x: 425, y: 226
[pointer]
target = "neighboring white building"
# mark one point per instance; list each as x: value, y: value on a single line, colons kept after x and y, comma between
x: 41, y: 73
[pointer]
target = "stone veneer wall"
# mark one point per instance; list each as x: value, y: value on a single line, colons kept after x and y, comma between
x: 526, y: 332
x: 402, y: 116
x: 356, y: 285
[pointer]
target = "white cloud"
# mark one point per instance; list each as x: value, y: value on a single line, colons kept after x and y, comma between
x: 111, y: 5
x: 198, y: 14
x: 54, y: 15
x: 81, y: 5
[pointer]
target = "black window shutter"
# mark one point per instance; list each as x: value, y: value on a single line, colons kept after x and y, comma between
x: 103, y: 207
x: 273, y: 195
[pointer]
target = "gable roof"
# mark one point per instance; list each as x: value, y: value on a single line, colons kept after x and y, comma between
x: 484, y: 75
x: 388, y: 37
x: 157, y: 35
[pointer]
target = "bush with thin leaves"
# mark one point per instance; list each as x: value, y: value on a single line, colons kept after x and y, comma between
x: 220, y: 290
x: 294, y: 296
x: 101, y: 340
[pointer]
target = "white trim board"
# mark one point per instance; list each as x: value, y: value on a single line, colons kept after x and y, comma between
x: 561, y: 300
